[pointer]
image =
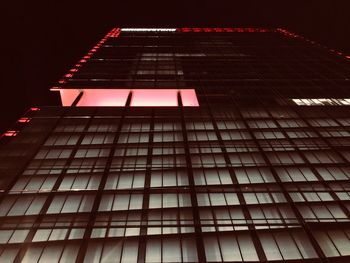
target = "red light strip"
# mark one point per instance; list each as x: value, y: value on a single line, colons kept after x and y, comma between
x: 293, y: 35
x: 34, y: 109
x: 118, y: 97
x: 115, y: 32
x: 226, y: 29
x: 10, y: 133
x: 24, y: 120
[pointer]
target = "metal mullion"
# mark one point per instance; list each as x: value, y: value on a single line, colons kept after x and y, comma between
x: 317, y: 131
x: 146, y: 194
x: 288, y: 198
x: 50, y: 195
x: 99, y: 193
x: 194, y: 202
x: 311, y: 166
x: 10, y: 186
x: 277, y: 179
x: 240, y: 196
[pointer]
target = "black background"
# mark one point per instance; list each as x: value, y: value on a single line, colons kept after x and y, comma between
x: 43, y: 39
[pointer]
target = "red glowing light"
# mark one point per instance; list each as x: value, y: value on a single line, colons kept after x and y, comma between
x: 68, y: 75
x: 68, y: 96
x: 34, y: 109
x: 10, y: 133
x: 104, y: 97
x: 73, y: 70
x: 61, y: 81
x: 24, y: 120
x: 189, y: 98
x: 140, y: 97
x: 82, y: 60
x: 154, y: 97
x: 225, y: 29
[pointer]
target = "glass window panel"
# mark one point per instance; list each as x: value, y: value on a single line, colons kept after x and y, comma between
x: 212, y: 250
x: 8, y: 254
x: 287, y: 246
x: 247, y: 247
x: 18, y: 236
x: 153, y: 251
x: 189, y: 250
x: 304, y: 245
x: 326, y: 244
x: 341, y: 241
x: 130, y: 251
x: 5, y: 236
x: 42, y: 235
x: 171, y: 250
x: 229, y: 248
x: 71, y: 204
x: 112, y: 251
x: 93, y: 252
x: 270, y: 247
x: 51, y: 253
x: 33, y: 254
x: 70, y: 253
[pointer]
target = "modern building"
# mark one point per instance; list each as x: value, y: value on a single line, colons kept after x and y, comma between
x: 185, y: 145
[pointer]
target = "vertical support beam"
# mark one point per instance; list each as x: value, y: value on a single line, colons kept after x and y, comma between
x: 77, y: 99
x: 146, y: 194
x: 193, y: 193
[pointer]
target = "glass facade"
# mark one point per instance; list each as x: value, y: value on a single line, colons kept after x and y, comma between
x: 258, y: 172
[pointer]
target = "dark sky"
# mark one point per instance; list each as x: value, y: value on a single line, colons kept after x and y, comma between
x: 44, y: 38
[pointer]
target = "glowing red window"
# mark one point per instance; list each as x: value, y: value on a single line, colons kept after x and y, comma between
x: 104, y: 97
x: 24, y: 120
x: 10, y: 133
x: 154, y: 97
x: 119, y: 97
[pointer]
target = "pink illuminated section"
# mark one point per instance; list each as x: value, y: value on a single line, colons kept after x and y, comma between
x: 189, y: 98
x: 104, y: 97
x: 119, y: 97
x: 154, y: 97
x: 68, y: 96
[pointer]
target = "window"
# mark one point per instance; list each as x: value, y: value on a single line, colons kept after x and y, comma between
x: 125, y: 180
x: 211, y: 177
x: 334, y: 243
x: 217, y: 199
x: 71, y: 204
x: 295, y: 174
x: 169, y: 178
x: 286, y: 246
x: 229, y: 247
x: 51, y: 253
x: 222, y: 219
x: 22, y: 205
x: 169, y: 200
x: 171, y: 249
x: 268, y: 216
x: 124, y: 251
x: 121, y: 202
x: 253, y: 175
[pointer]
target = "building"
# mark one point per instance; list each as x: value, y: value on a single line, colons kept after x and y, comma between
x: 185, y: 145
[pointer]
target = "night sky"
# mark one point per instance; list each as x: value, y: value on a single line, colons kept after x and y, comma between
x: 43, y: 39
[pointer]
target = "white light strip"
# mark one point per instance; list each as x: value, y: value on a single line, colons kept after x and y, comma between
x: 321, y: 102
x: 148, y: 29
